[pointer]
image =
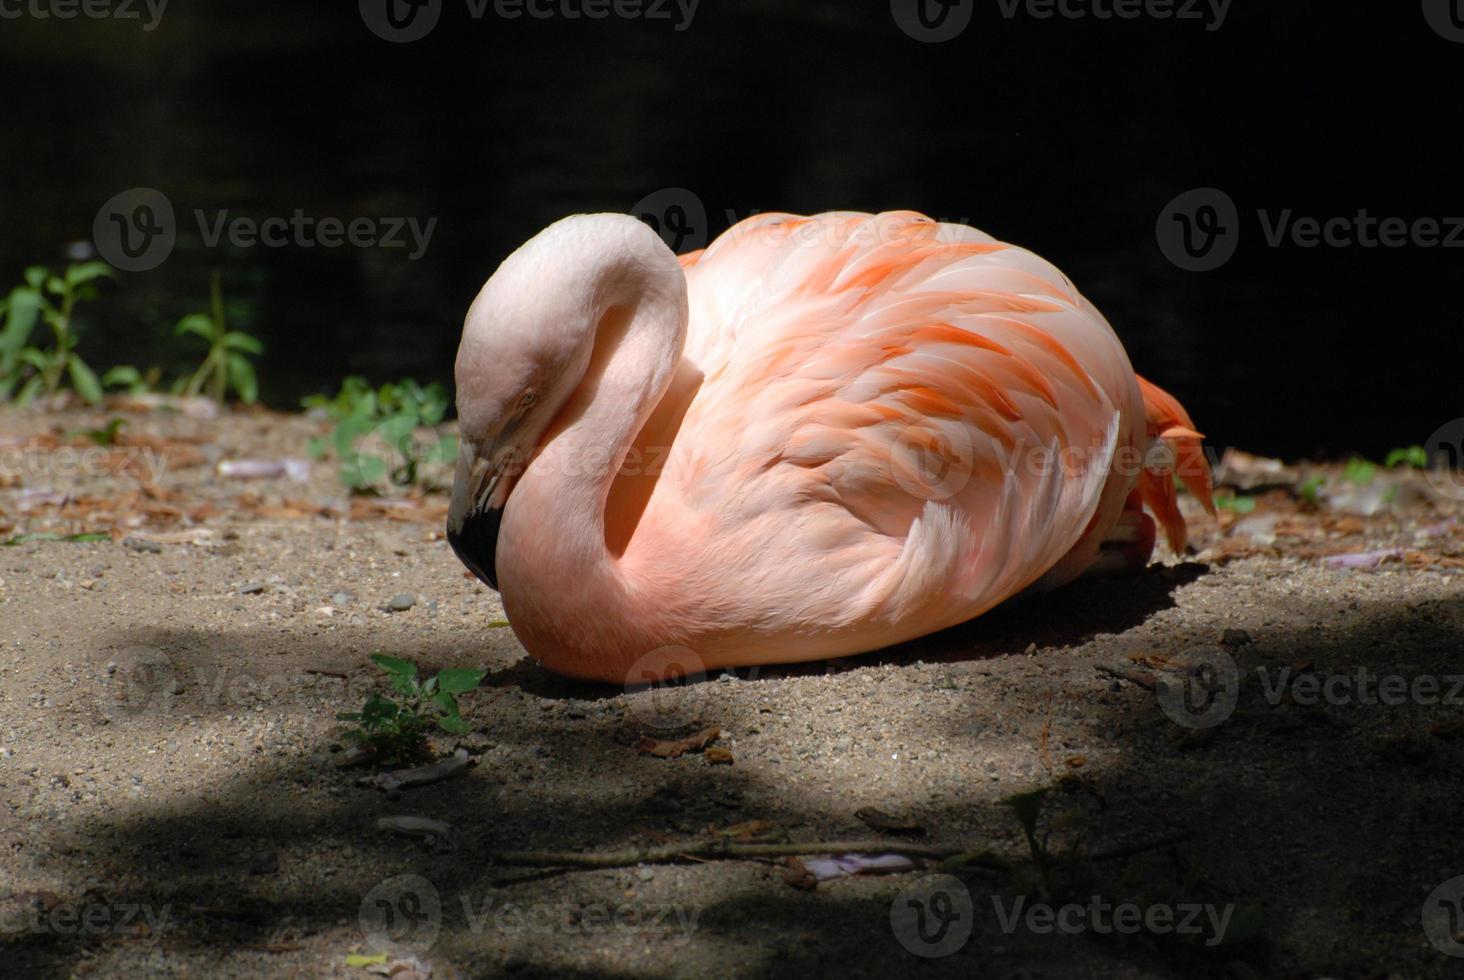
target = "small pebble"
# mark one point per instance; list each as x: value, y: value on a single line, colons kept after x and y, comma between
x: 251, y: 588
x: 142, y: 544
x: 401, y: 603
x: 342, y: 599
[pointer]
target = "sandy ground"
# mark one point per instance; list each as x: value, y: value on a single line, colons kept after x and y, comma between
x: 171, y: 804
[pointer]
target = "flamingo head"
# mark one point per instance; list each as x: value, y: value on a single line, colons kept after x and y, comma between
x: 526, y: 342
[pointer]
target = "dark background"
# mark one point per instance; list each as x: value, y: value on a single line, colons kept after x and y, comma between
x: 1066, y: 136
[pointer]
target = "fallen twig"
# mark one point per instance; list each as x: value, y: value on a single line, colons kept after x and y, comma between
x: 728, y: 850
x: 1142, y: 679
x: 393, y: 782
x: 722, y: 848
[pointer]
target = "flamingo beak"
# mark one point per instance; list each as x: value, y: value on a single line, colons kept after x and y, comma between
x: 476, y: 511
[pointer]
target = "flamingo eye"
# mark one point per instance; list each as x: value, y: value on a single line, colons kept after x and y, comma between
x: 527, y: 399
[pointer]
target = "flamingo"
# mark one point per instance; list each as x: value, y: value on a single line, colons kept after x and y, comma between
x: 817, y: 437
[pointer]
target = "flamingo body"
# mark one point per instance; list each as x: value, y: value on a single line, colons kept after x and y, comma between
x: 817, y: 437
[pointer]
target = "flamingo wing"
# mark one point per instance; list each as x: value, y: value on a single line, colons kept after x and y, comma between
x: 900, y: 424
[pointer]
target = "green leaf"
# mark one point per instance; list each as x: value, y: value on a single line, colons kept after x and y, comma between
x: 361, y: 959
x: 348, y: 716
x: 29, y: 390
x: 83, y: 379
x: 394, y: 665
x: 1027, y: 807
x: 363, y: 471
x: 404, y: 685
x: 242, y: 378
x: 453, y: 724
x: 122, y: 374
x: 91, y: 537
x: 317, y: 447
x: 23, y: 307
x: 1359, y: 471
x: 458, y: 680
x: 196, y: 323
x: 378, y: 710
x: 34, y: 358
x: 1415, y: 456
x: 36, y: 275
x: 235, y: 340
x: 86, y: 272
x: 56, y: 286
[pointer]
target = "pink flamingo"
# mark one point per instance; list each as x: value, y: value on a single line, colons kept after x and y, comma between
x: 817, y: 437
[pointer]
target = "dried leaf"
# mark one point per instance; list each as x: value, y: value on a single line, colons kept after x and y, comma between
x: 671, y: 748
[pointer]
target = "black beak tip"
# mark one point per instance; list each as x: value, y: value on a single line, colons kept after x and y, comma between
x: 476, y: 545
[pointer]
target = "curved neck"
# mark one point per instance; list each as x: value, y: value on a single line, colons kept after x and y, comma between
x: 632, y: 292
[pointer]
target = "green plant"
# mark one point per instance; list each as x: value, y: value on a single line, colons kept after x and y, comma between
x: 1311, y: 489
x: 384, y: 437
x: 105, y: 436
x: 1359, y: 471
x: 226, y: 366
x: 397, y: 732
x: 131, y: 380
x: 29, y: 371
x: 1415, y: 456
x: 1235, y: 503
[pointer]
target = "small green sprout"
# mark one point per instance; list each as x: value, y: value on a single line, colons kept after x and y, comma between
x: 1235, y: 503
x: 1414, y: 456
x: 105, y: 436
x: 27, y: 371
x: 397, y: 732
x: 226, y: 366
x: 1359, y: 471
x: 384, y: 437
